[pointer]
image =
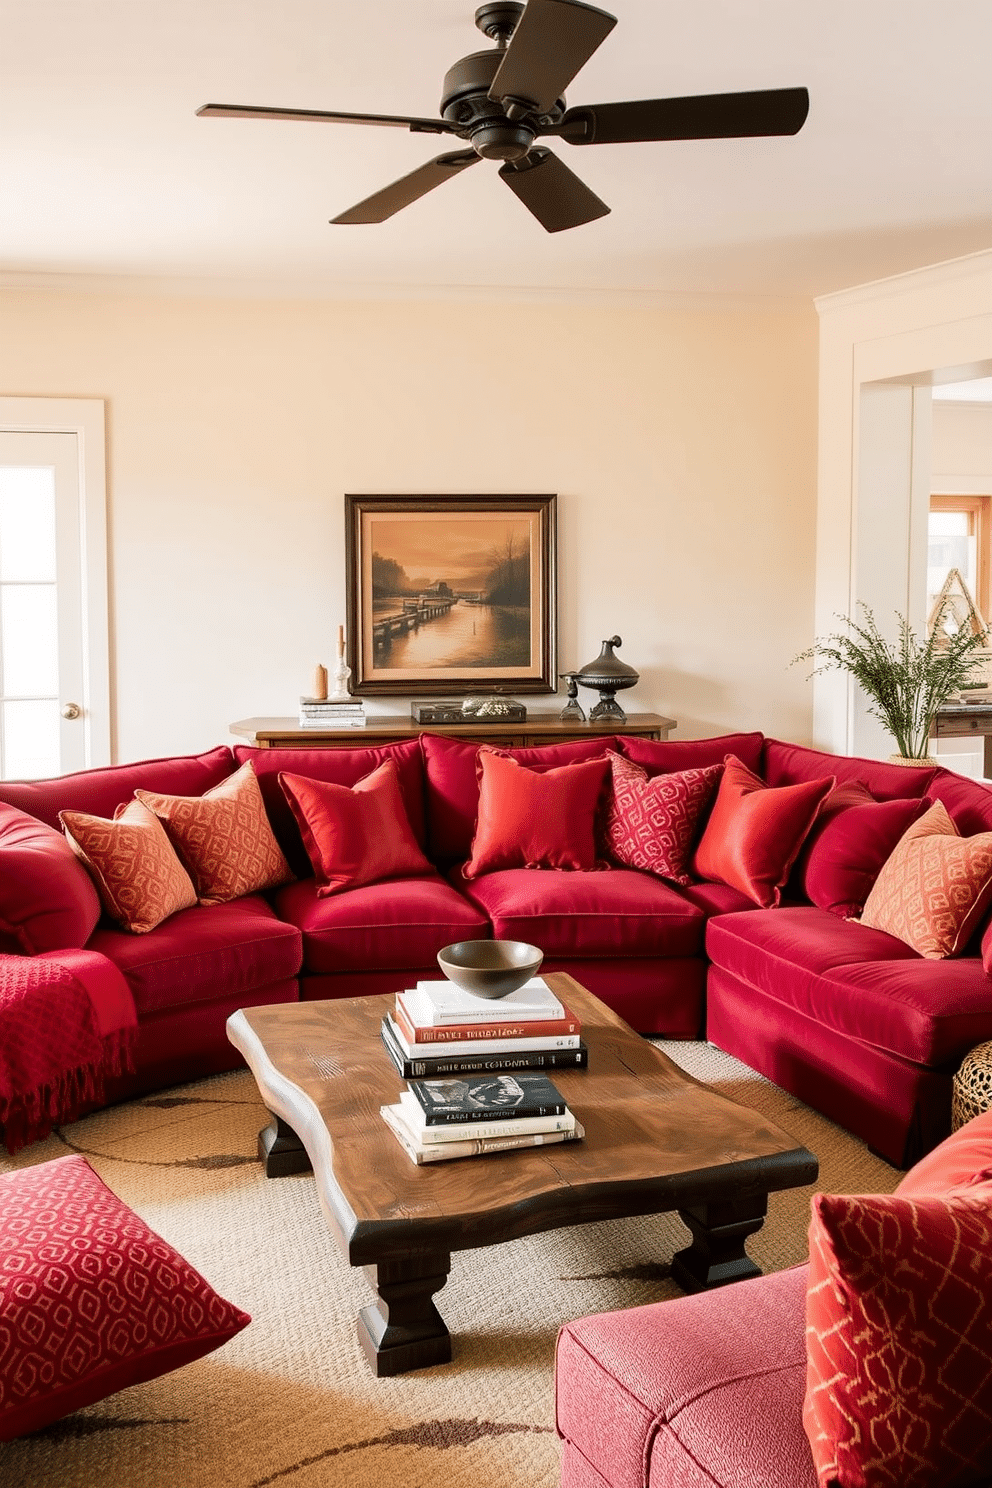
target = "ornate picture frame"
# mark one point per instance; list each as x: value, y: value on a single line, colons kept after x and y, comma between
x: 451, y: 594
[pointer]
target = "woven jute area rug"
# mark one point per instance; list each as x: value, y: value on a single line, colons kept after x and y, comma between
x: 291, y: 1401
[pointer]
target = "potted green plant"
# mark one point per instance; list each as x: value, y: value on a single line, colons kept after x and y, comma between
x: 907, y: 679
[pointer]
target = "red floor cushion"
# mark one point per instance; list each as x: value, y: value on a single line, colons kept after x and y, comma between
x: 619, y: 912
x: 400, y: 923
x: 91, y: 1299
x: 204, y: 955
x: 857, y: 981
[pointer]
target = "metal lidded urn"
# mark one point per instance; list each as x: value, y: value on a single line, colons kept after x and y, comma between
x: 608, y: 675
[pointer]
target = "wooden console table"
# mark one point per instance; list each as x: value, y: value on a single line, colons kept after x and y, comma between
x: 540, y: 728
x: 960, y: 720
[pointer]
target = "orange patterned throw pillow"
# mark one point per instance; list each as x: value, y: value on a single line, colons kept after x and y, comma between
x: 899, y: 1339
x: 934, y: 889
x: 223, y: 838
x: 140, y: 880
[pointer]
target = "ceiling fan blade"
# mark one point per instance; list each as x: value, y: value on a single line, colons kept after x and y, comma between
x: 552, y: 40
x: 407, y: 189
x: 319, y: 116
x: 555, y: 195
x: 705, y: 116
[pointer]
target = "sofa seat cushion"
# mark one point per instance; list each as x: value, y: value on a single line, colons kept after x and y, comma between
x: 204, y: 955
x: 400, y: 923
x: 717, y: 898
x: 858, y: 982
x: 620, y: 912
x: 700, y: 1390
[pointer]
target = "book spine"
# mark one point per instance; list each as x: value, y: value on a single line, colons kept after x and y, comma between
x: 422, y: 1011
x: 453, y: 1033
x: 513, y: 1126
x: 453, y: 1118
x: 482, y: 1064
x: 443, y: 1151
x: 483, y: 1046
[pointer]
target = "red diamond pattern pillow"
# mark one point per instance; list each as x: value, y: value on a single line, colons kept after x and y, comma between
x: 91, y: 1299
x: 223, y: 838
x: 934, y: 889
x: 651, y: 821
x: 899, y: 1339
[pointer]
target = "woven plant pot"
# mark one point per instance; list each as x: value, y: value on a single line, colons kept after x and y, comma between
x: 971, y: 1092
x: 925, y: 759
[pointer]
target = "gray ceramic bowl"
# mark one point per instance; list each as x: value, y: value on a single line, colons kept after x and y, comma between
x: 490, y: 968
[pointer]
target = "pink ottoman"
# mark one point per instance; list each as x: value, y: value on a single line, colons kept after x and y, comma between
x: 701, y: 1391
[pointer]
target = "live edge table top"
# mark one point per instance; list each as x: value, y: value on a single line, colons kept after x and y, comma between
x: 655, y: 1139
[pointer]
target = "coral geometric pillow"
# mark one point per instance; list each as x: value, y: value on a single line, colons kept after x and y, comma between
x: 755, y: 831
x: 358, y: 834
x: 223, y: 838
x: 935, y: 888
x: 140, y: 880
x: 850, y: 852
x: 651, y: 822
x: 899, y: 1339
x: 535, y: 819
x: 91, y: 1299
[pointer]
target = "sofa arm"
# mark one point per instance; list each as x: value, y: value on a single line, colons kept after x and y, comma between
x: 701, y: 1390
x: 67, y: 1024
x: 47, y: 898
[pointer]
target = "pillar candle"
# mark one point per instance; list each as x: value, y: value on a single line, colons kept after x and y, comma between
x: 319, y: 683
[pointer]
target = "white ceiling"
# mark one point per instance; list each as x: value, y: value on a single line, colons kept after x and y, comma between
x: 105, y: 170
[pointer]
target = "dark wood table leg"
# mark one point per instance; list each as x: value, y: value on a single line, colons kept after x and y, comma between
x: 717, y: 1255
x: 403, y: 1329
x: 281, y: 1150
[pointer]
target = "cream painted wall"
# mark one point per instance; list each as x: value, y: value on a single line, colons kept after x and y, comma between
x: 962, y: 448
x: 681, y: 443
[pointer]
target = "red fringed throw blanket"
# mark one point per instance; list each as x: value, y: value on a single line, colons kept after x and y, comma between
x: 67, y: 1024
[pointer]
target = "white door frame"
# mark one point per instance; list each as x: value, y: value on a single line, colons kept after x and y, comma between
x: 85, y: 418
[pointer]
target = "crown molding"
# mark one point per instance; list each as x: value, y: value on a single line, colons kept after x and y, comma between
x: 228, y: 288
x: 952, y: 270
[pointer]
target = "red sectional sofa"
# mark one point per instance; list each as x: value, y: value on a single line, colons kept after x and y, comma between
x: 850, y: 1019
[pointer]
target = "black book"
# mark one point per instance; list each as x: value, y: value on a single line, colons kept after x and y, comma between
x: 490, y: 1097
x: 439, y: 1065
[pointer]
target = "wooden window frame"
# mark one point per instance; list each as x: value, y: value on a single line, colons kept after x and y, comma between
x: 979, y: 512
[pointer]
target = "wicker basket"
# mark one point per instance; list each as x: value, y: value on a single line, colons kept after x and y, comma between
x: 972, y: 1088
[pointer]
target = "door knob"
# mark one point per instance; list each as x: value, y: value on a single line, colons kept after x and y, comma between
x: 72, y: 710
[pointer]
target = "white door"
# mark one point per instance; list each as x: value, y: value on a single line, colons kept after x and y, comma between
x: 44, y: 693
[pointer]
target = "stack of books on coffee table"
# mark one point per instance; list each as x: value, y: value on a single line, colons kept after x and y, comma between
x: 436, y: 1029
x: 437, y: 1120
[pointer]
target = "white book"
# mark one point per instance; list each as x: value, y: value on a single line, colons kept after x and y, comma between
x: 431, y: 1003
x: 467, y: 1131
x: 323, y: 723
x: 422, y: 1153
x: 465, y: 1048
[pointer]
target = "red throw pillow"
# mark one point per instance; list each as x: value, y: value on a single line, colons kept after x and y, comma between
x: 356, y: 834
x: 755, y: 831
x: 651, y: 822
x: 850, y: 852
x: 532, y: 819
x: 934, y: 889
x: 91, y: 1299
x: 899, y: 1339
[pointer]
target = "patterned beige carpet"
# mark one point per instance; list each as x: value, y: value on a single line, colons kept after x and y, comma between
x: 290, y: 1401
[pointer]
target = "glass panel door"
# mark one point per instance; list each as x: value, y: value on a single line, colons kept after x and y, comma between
x: 41, y: 650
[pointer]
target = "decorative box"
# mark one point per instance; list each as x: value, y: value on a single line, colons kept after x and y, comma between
x: 468, y: 710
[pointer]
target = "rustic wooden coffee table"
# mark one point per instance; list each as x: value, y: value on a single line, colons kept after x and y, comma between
x: 656, y: 1140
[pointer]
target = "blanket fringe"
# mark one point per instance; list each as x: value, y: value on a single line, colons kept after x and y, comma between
x: 31, y: 1116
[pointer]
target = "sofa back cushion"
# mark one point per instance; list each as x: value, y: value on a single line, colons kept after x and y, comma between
x: 786, y: 764
x: 47, y: 898
x: 968, y: 802
x: 452, y: 781
x: 100, y: 792
x: 337, y: 767
x: 659, y: 756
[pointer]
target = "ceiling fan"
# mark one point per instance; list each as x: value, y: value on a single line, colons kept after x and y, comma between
x: 501, y: 101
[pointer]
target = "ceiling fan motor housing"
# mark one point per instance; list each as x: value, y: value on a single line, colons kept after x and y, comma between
x: 466, y: 104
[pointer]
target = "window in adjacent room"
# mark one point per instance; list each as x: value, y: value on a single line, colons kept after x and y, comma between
x: 958, y: 536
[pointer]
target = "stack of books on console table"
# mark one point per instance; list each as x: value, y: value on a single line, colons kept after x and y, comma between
x: 437, y: 1120
x: 436, y: 1029
x: 324, y: 713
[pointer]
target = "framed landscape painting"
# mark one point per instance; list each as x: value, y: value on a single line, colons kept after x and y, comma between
x: 451, y: 594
